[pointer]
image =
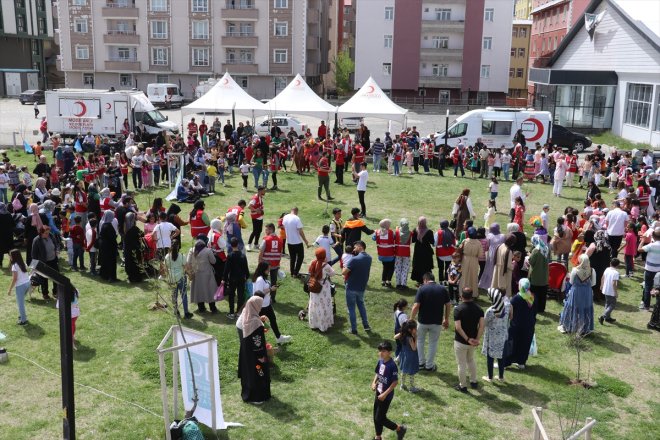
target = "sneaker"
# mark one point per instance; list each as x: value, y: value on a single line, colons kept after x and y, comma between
x: 433, y: 368
x: 610, y: 320
x: 231, y: 316
x: 188, y: 315
x: 415, y: 390
x: 249, y: 247
x: 404, y: 387
x: 284, y: 339
x: 474, y: 385
x: 601, y: 319
x: 642, y: 306
x: 22, y: 322
x: 500, y: 379
x: 367, y: 329
x: 521, y: 366
x: 353, y: 332
x: 486, y: 379
x: 561, y: 329
x: 461, y: 389
x: 261, y: 402
x: 401, y: 432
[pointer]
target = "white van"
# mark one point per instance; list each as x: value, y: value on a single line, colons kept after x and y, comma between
x: 497, y: 126
x: 164, y: 95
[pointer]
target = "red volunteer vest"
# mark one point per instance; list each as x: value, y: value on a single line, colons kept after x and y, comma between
x: 643, y: 197
x: 572, y: 165
x: 441, y: 251
x: 258, y: 204
x: 385, y: 243
x: 217, y: 250
x: 235, y: 210
x: 401, y: 249
x: 197, y: 225
x: 273, y: 250
x: 105, y: 204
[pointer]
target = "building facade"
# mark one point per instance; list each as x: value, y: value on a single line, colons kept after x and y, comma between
x: 608, y: 79
x: 130, y: 43
x: 523, y: 10
x: 26, y: 37
x: 444, y: 50
x: 519, y: 64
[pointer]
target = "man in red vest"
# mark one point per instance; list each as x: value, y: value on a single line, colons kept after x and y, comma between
x: 323, y: 170
x: 240, y: 214
x: 271, y: 252
x: 256, y: 207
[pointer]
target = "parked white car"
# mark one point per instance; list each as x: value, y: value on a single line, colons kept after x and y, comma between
x: 284, y: 122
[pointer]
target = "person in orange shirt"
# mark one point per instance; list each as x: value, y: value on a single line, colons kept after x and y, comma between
x: 37, y: 149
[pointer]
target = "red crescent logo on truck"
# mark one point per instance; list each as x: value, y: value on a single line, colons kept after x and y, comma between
x: 83, y: 108
x: 539, y: 129
x: 108, y: 106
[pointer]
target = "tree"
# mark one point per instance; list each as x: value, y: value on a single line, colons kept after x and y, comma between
x: 343, y: 67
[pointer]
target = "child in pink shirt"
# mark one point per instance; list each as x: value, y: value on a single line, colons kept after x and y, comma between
x: 629, y: 249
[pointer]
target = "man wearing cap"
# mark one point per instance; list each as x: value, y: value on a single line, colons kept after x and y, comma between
x: 615, y: 222
x: 651, y: 266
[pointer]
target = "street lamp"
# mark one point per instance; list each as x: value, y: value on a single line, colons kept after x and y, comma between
x: 65, y: 292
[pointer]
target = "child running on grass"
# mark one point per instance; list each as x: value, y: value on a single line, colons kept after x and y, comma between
x: 609, y: 285
x: 384, y: 383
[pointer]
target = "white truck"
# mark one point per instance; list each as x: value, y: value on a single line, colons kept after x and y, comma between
x: 497, y: 126
x: 102, y: 112
x: 164, y: 95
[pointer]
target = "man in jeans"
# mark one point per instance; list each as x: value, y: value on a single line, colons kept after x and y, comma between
x: 295, y: 236
x: 469, y: 326
x: 433, y: 306
x: 651, y: 267
x: 356, y: 273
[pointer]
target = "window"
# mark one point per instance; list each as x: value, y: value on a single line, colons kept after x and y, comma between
x: 347, y: 10
x: 158, y: 5
x: 200, y: 30
x: 35, y: 47
x: 638, y: 104
x: 280, y: 83
x: 458, y: 130
x: 21, y: 23
x: 246, y: 56
x: 230, y: 56
x: 281, y: 4
x: 555, y: 47
x: 281, y: 28
x: 487, y: 43
x: 247, y: 29
x: 514, y: 32
x: 125, y: 79
x: 520, y: 72
x: 200, y: 56
x: 389, y: 13
x: 80, y: 25
x: 443, y: 96
x: 242, y: 81
x: 521, y: 52
x: 439, y: 69
x: 159, y: 56
x: 82, y: 52
x: 439, y: 42
x: 159, y: 29
x: 513, y: 51
x: 280, y: 56
x: 497, y: 128
x: 199, y: 6
x: 161, y: 78
x: 79, y: 2
x: 387, y: 40
x: 124, y: 54
x: 442, y: 14
x: 88, y: 79
x: 485, y: 71
x: 387, y: 69
x: 489, y: 13
x: 522, y: 33
x: 42, y: 27
x: 512, y: 73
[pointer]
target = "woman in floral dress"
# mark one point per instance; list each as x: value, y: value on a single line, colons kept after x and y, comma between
x: 320, y: 304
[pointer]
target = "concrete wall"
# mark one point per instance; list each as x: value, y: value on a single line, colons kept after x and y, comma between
x: 371, y: 27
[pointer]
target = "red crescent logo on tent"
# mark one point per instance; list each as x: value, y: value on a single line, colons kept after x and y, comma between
x: 83, y: 108
x: 371, y: 89
x: 539, y: 129
x: 225, y: 81
x: 297, y: 82
x: 108, y: 106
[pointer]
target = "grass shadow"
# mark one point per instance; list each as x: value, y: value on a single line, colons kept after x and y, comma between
x: 523, y: 394
x: 279, y: 410
x: 629, y: 308
x: 631, y: 329
x: 496, y: 404
x: 603, y: 340
x: 84, y: 353
x: 34, y: 331
x: 542, y: 372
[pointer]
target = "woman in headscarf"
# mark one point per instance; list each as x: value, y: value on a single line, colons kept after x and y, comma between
x: 495, y: 239
x: 472, y: 251
x: 108, y: 247
x: 33, y: 222
x: 504, y: 266
x: 47, y: 209
x: 233, y: 229
x: 40, y: 190
x: 134, y: 248
x: 562, y: 241
x: 538, y: 272
x: 521, y: 331
x: 539, y: 230
x: 93, y: 200
x: 445, y: 246
x: 402, y: 240
x: 7, y: 237
x: 203, y: 286
x: 320, y: 304
x: 422, y: 236
x: 599, y: 253
x: 384, y: 238
x: 496, y: 322
x: 521, y: 239
x: 462, y: 210
x: 578, y: 313
x: 218, y: 245
x: 253, y: 366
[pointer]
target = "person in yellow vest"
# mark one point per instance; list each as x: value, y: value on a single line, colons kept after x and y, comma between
x: 270, y: 251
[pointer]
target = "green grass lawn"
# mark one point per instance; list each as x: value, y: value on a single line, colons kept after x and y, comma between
x: 609, y: 138
x: 320, y: 383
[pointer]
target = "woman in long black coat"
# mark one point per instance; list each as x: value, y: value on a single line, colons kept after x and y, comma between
x: 108, y: 248
x: 7, y: 227
x: 133, y: 250
x: 422, y: 261
x: 253, y: 365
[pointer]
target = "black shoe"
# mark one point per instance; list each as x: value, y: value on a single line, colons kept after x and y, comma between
x: 610, y: 320
x: 474, y: 385
x: 330, y: 198
x: 433, y: 368
x: 461, y: 389
x: 401, y: 432
x: 601, y: 319
x: 188, y: 315
x: 22, y: 322
x: 200, y: 310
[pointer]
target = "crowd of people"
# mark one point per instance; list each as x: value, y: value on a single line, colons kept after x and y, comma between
x: 84, y: 205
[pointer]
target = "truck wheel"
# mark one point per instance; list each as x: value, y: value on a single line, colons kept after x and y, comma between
x: 578, y: 146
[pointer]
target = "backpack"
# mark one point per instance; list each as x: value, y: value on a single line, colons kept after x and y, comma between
x: 314, y: 284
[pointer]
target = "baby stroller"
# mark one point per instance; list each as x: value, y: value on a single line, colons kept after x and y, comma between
x: 556, y: 280
x: 19, y: 229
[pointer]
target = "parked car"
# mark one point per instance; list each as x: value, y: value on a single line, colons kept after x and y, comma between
x: 563, y: 137
x: 284, y: 122
x: 31, y: 96
x: 352, y: 123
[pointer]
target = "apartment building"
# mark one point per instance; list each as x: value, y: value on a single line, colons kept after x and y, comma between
x: 449, y: 50
x: 26, y: 38
x: 523, y: 10
x: 263, y: 44
x: 519, y: 65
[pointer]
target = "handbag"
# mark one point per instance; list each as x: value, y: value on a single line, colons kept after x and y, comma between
x: 452, y: 223
x: 533, y: 348
x: 219, y: 293
x: 16, y: 204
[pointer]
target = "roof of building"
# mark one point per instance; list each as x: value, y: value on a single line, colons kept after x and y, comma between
x: 548, y: 5
x: 642, y: 15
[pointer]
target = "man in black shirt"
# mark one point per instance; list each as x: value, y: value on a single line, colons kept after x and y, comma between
x: 234, y: 277
x: 354, y: 227
x: 433, y: 306
x: 469, y: 327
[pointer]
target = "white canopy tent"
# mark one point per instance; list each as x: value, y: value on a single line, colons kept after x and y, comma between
x: 371, y: 101
x: 226, y: 95
x: 299, y: 98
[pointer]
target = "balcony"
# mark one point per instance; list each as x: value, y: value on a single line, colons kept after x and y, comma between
x: 123, y: 64
x: 238, y: 67
x: 433, y: 54
x: 114, y: 36
x: 239, y: 10
x: 119, y: 9
x: 313, y: 16
x: 440, y: 25
x: 313, y: 43
x: 238, y: 39
x: 448, y: 82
